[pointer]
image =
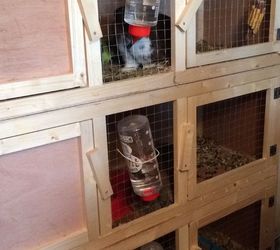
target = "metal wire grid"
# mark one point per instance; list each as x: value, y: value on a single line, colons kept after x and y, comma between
x: 167, y: 242
x: 229, y: 134
x: 126, y: 205
x: 223, y: 24
x: 239, y: 230
x: 113, y: 26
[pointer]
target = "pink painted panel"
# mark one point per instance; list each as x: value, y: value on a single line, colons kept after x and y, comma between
x: 40, y: 195
x: 34, y: 39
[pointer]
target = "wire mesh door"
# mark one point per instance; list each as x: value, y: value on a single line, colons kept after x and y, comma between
x: 126, y: 205
x: 230, y: 134
x: 123, y: 57
x: 238, y: 230
x: 224, y: 24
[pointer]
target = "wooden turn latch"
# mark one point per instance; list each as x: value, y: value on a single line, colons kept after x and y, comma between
x: 100, y: 174
x: 187, y: 141
x: 188, y: 14
x: 89, y: 12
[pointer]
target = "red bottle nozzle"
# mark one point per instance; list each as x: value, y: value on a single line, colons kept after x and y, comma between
x: 139, y: 31
x: 151, y: 197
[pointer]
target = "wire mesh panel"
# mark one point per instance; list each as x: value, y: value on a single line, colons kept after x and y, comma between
x: 229, y: 134
x: 237, y: 231
x: 166, y: 242
x: 223, y: 24
x: 122, y: 56
x: 126, y: 205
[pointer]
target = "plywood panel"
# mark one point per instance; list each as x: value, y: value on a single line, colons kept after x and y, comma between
x: 40, y: 195
x: 34, y: 39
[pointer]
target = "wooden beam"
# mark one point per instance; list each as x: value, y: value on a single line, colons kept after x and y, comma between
x: 100, y: 173
x: 89, y: 12
x: 40, y: 138
x: 188, y: 14
x: 90, y: 187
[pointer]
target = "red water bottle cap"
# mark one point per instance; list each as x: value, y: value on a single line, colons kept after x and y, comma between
x: 150, y: 197
x: 139, y: 31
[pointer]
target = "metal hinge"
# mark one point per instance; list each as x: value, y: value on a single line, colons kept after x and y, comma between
x: 278, y: 35
x: 273, y: 150
x: 271, y: 201
x: 277, y: 93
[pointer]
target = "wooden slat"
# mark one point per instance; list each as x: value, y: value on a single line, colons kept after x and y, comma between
x: 267, y: 221
x: 28, y: 124
x: 94, y: 63
x: 90, y: 189
x: 40, y: 138
x: 89, y: 12
x: 188, y: 14
x: 178, y: 38
x: 68, y: 242
x: 100, y: 142
x: 49, y: 102
x: 180, y: 117
x: 182, y: 238
x: 216, y: 70
x: 100, y: 173
x: 233, y: 54
x: 77, y: 42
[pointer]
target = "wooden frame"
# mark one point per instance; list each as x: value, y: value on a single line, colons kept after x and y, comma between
x: 193, y: 59
x: 77, y: 78
x: 197, y: 189
x: 179, y: 189
x: 180, y: 214
x: 83, y: 130
x: 266, y: 219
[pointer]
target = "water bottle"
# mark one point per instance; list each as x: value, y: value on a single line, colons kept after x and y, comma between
x: 141, y: 15
x: 141, y: 157
x: 141, y: 12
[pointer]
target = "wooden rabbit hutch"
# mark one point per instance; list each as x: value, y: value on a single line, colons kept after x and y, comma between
x: 206, y: 78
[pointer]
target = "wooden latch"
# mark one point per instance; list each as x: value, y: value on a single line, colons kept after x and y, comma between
x: 188, y: 14
x: 100, y: 175
x: 187, y: 140
x: 89, y: 12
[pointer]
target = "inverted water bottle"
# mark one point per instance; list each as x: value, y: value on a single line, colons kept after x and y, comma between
x: 141, y: 156
x: 141, y: 15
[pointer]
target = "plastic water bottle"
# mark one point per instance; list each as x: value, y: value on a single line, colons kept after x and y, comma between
x: 141, y: 156
x: 141, y: 15
x: 141, y: 12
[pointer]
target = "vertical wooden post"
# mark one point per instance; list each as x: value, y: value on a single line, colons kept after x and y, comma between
x: 267, y: 221
x: 77, y: 42
x: 100, y: 141
x: 277, y: 214
x: 178, y: 38
x: 93, y: 52
x: 90, y: 189
x: 182, y: 238
x: 180, y: 178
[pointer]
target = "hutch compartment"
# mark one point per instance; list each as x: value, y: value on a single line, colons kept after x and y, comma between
x: 228, y: 30
x: 123, y: 58
x: 250, y: 226
x: 229, y: 136
x: 42, y: 47
x: 126, y: 205
x: 44, y: 180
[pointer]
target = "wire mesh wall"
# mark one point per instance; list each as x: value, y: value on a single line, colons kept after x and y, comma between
x: 223, y: 24
x: 237, y: 231
x: 229, y: 134
x: 166, y: 242
x: 122, y: 57
x: 126, y: 205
